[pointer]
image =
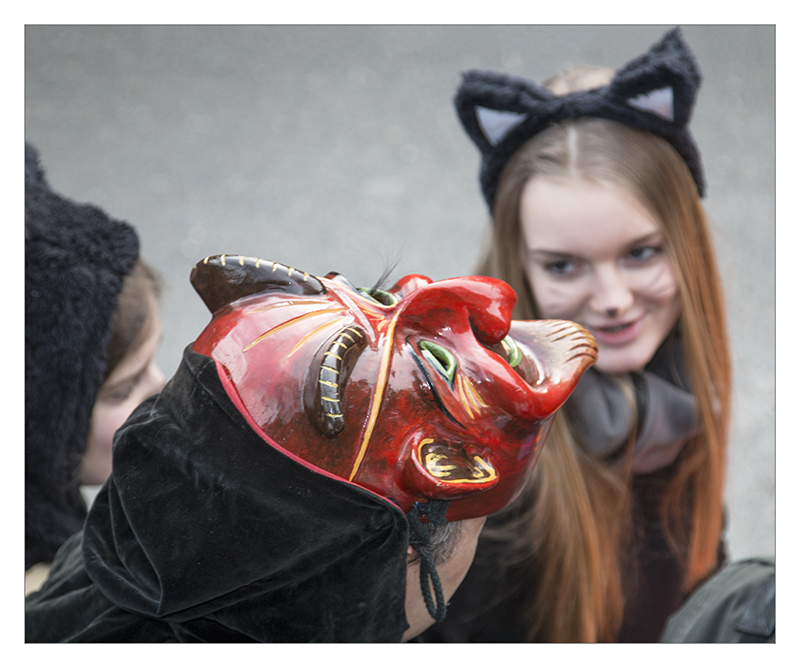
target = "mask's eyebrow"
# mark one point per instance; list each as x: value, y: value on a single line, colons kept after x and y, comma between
x: 335, y: 364
x: 289, y: 323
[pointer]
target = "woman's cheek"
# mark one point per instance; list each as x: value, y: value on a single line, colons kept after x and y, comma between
x: 557, y: 300
x: 661, y: 287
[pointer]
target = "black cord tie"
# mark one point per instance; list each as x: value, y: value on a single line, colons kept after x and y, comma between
x: 435, y: 510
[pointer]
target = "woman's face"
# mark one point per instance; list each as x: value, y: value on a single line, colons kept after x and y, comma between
x: 134, y: 379
x: 594, y: 255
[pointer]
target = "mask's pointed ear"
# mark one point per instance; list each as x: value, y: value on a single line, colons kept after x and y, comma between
x: 491, y: 105
x: 447, y: 471
x: 222, y: 279
x: 663, y: 82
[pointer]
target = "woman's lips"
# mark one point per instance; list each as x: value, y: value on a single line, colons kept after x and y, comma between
x: 617, y: 334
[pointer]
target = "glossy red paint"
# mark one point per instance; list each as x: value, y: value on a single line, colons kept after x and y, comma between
x: 409, y: 392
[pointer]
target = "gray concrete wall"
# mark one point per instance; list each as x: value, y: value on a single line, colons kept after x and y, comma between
x: 337, y: 148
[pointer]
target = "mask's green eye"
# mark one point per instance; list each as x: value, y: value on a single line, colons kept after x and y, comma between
x: 512, y: 351
x: 442, y: 359
x: 385, y: 298
x: 380, y: 296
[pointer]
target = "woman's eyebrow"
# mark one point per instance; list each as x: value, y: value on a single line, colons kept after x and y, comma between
x: 549, y: 253
x: 650, y: 237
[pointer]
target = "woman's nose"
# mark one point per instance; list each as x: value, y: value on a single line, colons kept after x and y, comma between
x: 611, y: 295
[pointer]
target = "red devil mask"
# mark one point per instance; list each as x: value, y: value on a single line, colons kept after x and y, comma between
x: 424, y: 391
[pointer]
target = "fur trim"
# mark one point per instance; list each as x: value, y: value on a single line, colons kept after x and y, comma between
x: 654, y: 93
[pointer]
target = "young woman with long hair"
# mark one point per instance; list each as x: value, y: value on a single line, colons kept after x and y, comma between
x: 594, y: 184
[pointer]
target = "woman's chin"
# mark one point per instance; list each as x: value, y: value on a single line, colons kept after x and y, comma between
x: 622, y: 359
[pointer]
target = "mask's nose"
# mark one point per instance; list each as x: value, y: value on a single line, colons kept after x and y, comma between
x: 485, y: 303
x: 554, y: 355
x: 408, y: 284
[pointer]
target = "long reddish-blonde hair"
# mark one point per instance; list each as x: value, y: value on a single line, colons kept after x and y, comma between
x: 574, y: 521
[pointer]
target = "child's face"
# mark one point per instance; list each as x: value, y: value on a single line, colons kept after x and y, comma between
x: 135, y: 379
x: 595, y: 256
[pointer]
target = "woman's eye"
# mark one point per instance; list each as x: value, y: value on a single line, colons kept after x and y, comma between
x: 120, y: 393
x: 642, y: 253
x: 560, y: 266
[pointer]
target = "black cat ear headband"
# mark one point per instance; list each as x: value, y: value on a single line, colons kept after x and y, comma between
x: 654, y: 93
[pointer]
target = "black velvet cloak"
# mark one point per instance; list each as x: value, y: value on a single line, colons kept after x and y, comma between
x: 207, y: 533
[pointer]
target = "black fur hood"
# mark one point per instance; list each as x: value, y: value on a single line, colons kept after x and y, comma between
x: 76, y: 258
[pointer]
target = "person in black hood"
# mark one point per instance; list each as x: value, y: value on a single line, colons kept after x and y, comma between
x: 319, y: 467
x: 91, y: 328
